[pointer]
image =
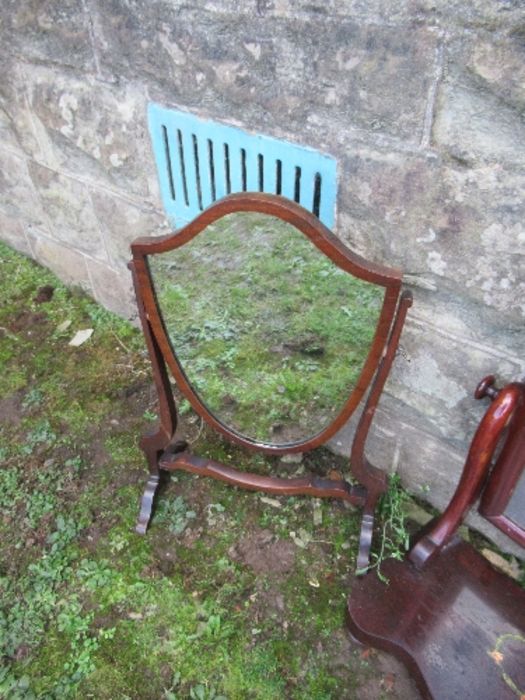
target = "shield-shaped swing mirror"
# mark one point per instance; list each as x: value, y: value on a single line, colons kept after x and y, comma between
x: 273, y: 330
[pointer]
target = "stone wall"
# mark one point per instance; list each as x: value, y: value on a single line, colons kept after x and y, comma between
x: 420, y: 102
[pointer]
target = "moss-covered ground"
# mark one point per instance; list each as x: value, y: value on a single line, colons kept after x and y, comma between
x: 229, y: 595
x: 226, y: 596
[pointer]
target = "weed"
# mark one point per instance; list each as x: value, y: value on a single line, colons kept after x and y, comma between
x: 175, y: 514
x: 33, y: 398
x: 201, y: 692
x: 95, y: 574
x: 196, y: 692
x: 184, y: 407
x: 9, y: 489
x: 74, y: 463
x: 395, y: 537
x: 38, y: 504
x: 42, y: 434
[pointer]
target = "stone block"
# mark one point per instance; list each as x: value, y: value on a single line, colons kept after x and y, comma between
x: 18, y: 198
x: 68, y: 265
x: 456, y: 15
x: 399, y: 442
x: 476, y: 127
x: 479, y: 14
x: 480, y: 103
x: 16, y: 130
x: 69, y: 210
x: 455, y: 230
x: 431, y: 391
x: 436, y: 375
x: 470, y: 323
x: 91, y: 130
x: 113, y: 289
x: 121, y: 222
x: 130, y: 38
x: 54, y: 32
x: 493, y: 62
x: 270, y: 73
x: 12, y: 233
x: 476, y: 243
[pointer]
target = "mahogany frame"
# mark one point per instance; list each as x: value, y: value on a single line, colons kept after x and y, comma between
x: 165, y: 451
x: 504, y: 477
x: 449, y: 641
x: 504, y: 418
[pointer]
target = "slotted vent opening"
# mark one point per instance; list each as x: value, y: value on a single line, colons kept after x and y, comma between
x: 278, y: 177
x: 227, y: 168
x: 297, y: 188
x: 260, y: 171
x: 243, y: 169
x: 199, y: 162
x: 317, y: 194
x: 182, y: 167
x: 197, y: 170
x: 168, y: 161
x: 212, y: 169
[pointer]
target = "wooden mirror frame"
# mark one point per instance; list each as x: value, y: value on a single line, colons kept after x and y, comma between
x: 166, y: 451
x: 505, y: 476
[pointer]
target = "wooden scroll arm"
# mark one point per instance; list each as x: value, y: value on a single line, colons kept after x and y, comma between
x: 373, y: 479
x: 361, y: 469
x: 167, y: 409
x: 474, y: 472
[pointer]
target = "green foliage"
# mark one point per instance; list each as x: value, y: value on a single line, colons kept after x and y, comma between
x: 175, y: 514
x: 9, y: 488
x: 394, y: 541
x: 30, y: 602
x: 150, y: 415
x: 196, y: 692
x: 33, y: 398
x: 40, y: 434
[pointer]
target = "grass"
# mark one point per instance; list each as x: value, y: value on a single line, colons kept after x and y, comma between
x: 90, y: 609
x: 395, y: 535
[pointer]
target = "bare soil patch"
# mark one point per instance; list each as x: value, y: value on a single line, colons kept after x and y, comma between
x: 264, y: 553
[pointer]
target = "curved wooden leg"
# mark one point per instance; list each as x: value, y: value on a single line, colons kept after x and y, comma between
x: 146, y: 503
x: 367, y: 531
x: 154, y: 446
x: 365, y: 543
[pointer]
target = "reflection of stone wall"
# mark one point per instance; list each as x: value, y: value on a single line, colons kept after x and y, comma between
x: 420, y: 102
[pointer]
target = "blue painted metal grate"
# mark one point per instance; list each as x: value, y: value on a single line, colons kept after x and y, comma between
x: 201, y: 161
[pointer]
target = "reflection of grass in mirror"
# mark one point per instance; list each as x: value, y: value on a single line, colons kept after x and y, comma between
x: 269, y: 331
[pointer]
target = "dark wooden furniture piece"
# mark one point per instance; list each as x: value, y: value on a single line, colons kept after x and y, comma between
x: 456, y: 622
x: 166, y: 449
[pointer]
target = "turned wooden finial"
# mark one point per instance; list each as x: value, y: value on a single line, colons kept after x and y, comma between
x: 486, y: 388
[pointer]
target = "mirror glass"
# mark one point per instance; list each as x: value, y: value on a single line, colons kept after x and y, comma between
x: 270, y: 333
x: 515, y: 509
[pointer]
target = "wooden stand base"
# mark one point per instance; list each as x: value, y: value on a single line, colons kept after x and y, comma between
x: 458, y: 625
x: 181, y: 459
